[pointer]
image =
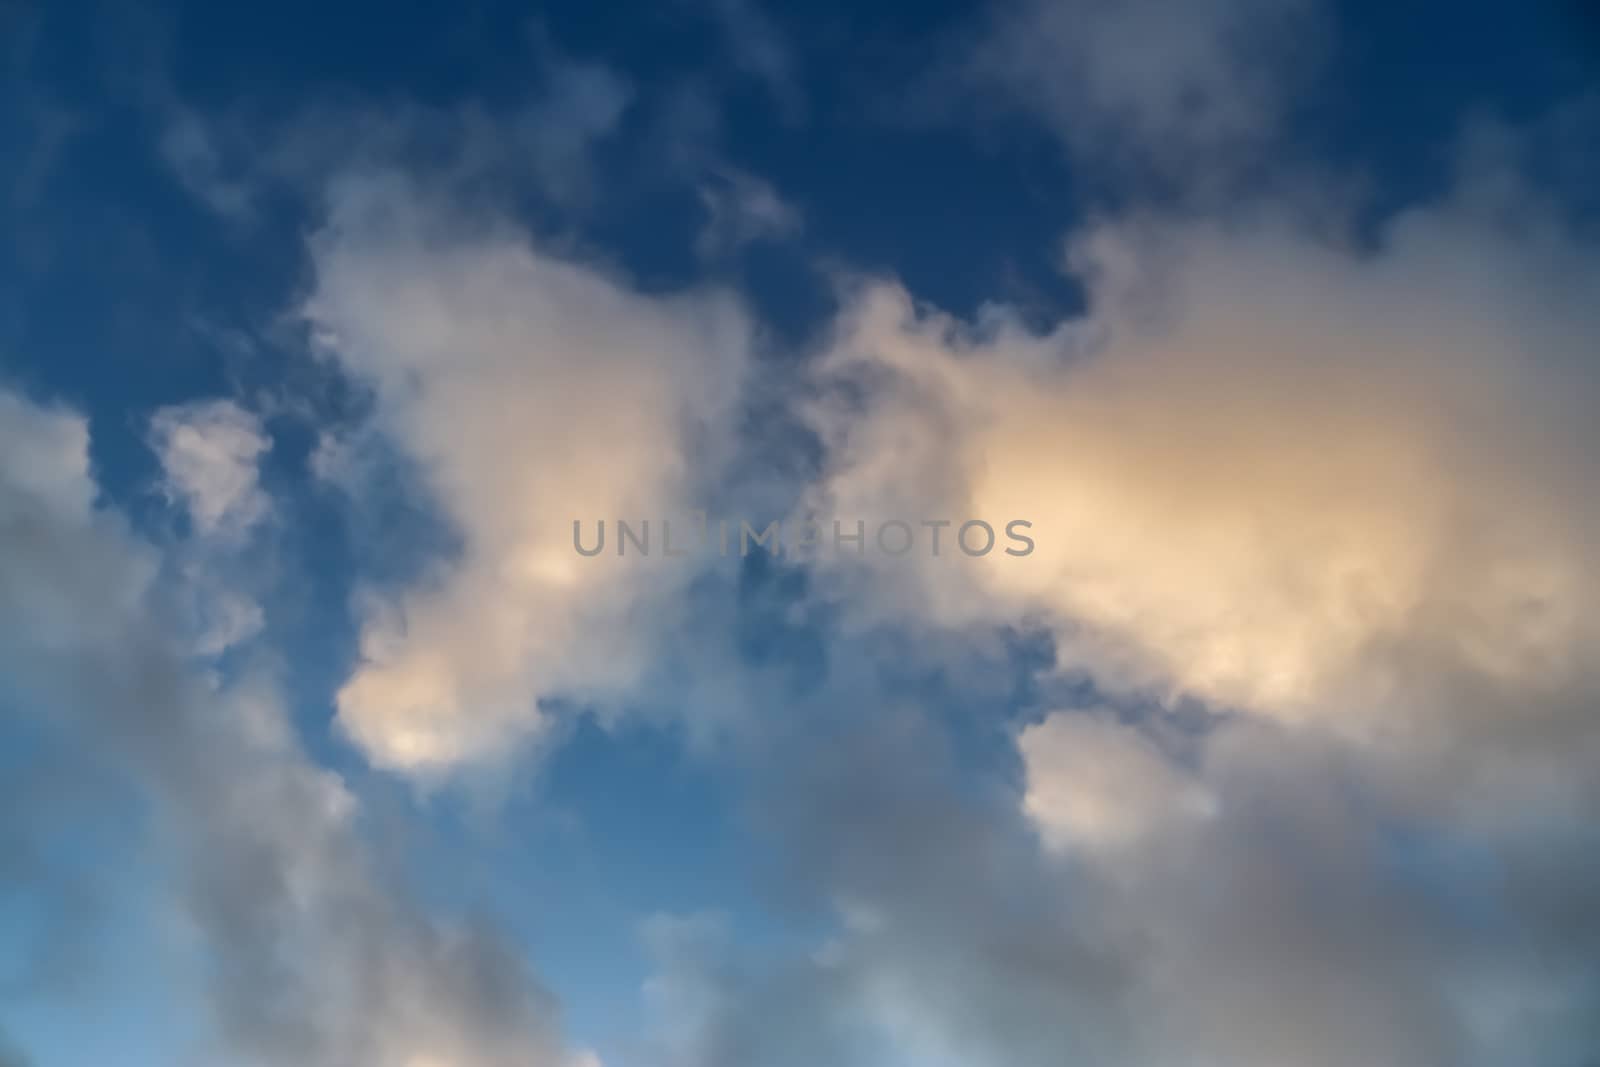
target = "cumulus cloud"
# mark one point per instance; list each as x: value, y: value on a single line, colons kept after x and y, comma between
x: 1312, y: 521
x: 531, y: 391
x: 1314, y: 513
x: 1094, y: 783
x: 210, y: 453
x: 952, y: 949
x: 1262, y: 460
x: 1259, y: 905
x: 1329, y: 492
x: 313, y: 957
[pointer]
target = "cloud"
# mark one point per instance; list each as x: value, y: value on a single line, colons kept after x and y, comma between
x: 1313, y: 526
x: 1262, y: 463
x: 540, y: 144
x: 1312, y: 516
x: 1293, y: 917
x: 579, y: 103
x: 209, y: 452
x: 742, y: 208
x: 313, y: 957
x: 1093, y: 783
x: 952, y: 949
x: 1186, y: 89
x: 189, y: 149
x: 759, y: 49
x: 531, y: 391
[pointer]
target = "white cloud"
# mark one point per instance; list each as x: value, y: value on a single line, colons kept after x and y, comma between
x: 1260, y: 463
x: 1330, y: 502
x: 531, y: 391
x: 1095, y: 783
x: 210, y: 453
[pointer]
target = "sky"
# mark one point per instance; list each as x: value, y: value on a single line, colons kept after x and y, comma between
x: 1176, y: 646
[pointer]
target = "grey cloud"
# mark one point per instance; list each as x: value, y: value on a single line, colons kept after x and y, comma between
x: 1186, y: 89
x: 952, y: 950
x: 315, y: 959
x: 1294, y: 926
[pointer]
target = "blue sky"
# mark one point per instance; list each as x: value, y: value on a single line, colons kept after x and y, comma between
x: 1270, y: 320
